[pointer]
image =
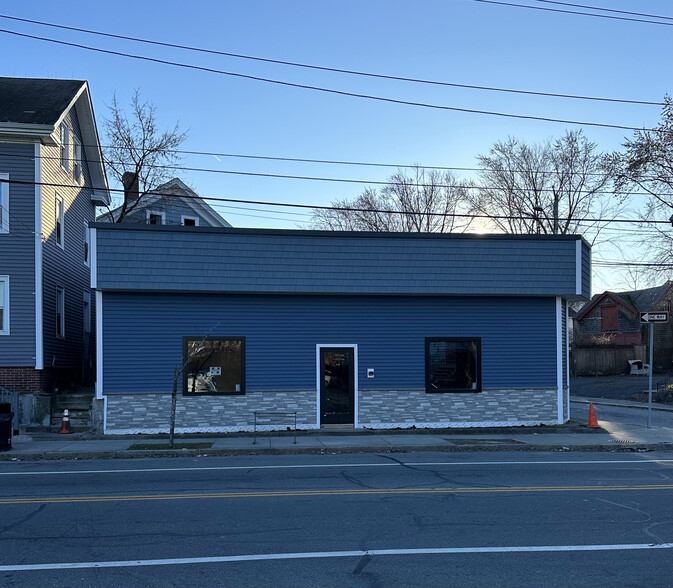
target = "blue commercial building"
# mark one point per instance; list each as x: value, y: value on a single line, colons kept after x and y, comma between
x: 375, y: 330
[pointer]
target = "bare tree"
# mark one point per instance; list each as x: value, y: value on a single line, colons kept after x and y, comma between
x: 647, y: 165
x: 424, y: 201
x: 557, y: 187
x: 138, y: 154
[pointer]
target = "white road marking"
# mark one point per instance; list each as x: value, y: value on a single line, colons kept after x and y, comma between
x: 328, y: 554
x: 339, y: 465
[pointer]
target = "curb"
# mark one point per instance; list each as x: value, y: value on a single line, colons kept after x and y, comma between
x: 143, y: 454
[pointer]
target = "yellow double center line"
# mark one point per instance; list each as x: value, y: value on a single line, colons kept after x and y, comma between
x: 345, y: 492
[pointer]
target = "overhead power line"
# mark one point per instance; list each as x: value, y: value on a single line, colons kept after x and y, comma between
x: 606, y: 9
x: 324, y: 179
x: 511, y: 4
x: 324, y: 68
x: 338, y: 208
x: 319, y: 88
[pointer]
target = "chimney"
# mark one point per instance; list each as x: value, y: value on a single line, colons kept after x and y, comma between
x: 130, y: 182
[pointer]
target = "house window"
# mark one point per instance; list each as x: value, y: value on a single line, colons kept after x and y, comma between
x: 87, y: 243
x: 58, y: 231
x: 609, y: 317
x: 87, y: 312
x: 4, y: 204
x: 65, y: 147
x: 452, y: 364
x: 77, y: 167
x: 190, y: 221
x: 156, y: 218
x: 214, y: 365
x: 60, y: 312
x: 4, y: 305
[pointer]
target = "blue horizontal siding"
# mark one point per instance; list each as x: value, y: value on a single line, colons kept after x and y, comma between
x: 142, y: 336
x: 230, y: 260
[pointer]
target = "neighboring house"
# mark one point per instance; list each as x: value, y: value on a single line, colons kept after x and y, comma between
x: 172, y: 203
x: 53, y: 178
x: 613, y: 318
x: 375, y: 330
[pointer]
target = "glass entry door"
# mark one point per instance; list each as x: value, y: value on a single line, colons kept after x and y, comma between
x: 337, y: 385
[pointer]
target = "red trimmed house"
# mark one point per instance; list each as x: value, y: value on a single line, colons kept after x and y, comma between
x: 613, y: 318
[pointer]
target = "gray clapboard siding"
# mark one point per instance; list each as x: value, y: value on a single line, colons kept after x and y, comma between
x: 17, y: 255
x: 142, y: 337
x: 65, y: 267
x: 241, y: 260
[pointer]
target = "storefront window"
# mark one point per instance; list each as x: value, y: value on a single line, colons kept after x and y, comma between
x: 452, y: 364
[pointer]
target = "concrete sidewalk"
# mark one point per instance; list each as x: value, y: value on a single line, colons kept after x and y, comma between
x: 572, y: 436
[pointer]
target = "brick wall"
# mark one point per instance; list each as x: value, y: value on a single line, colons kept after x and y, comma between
x: 24, y: 380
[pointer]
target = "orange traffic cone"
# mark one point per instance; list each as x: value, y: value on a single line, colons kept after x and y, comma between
x: 593, y: 423
x: 65, y: 425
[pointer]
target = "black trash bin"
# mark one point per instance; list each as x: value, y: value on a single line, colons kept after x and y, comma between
x: 6, y: 431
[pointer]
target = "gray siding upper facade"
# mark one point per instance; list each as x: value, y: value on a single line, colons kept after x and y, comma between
x: 17, y: 254
x: 189, y: 259
x: 65, y: 266
x: 173, y: 212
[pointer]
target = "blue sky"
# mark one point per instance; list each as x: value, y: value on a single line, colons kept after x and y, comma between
x: 460, y: 41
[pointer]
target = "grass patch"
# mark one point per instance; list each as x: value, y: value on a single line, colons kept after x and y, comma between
x: 165, y: 446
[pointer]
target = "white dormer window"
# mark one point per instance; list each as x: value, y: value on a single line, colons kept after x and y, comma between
x: 65, y: 147
x: 156, y: 218
x: 77, y: 167
x: 189, y: 221
x: 4, y: 204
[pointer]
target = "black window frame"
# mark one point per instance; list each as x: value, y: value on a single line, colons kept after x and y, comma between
x: 185, y: 372
x: 476, y: 341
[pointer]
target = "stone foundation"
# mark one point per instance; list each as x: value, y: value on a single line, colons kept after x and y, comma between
x: 378, y: 409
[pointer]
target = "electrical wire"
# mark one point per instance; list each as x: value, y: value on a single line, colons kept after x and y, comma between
x: 606, y: 9
x: 341, y: 208
x: 324, y: 179
x: 511, y: 4
x: 325, y: 68
x: 322, y: 89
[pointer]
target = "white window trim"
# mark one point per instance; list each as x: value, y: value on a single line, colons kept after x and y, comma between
x: 4, y: 203
x: 4, y: 285
x: 62, y: 324
x: 354, y: 347
x: 65, y: 145
x: 87, y: 241
x: 161, y: 214
x: 185, y: 217
x: 77, y: 162
x: 59, y: 217
x: 87, y: 319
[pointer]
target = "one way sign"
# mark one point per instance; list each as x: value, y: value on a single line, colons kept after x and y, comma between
x: 654, y: 317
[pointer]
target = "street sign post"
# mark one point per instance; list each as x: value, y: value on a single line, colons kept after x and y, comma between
x: 651, y: 318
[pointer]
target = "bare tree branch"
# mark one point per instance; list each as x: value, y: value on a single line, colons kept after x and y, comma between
x: 134, y: 144
x: 424, y: 201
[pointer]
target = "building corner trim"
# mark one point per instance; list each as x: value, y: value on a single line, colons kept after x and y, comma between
x: 559, y: 358
x: 39, y: 293
x: 99, y: 346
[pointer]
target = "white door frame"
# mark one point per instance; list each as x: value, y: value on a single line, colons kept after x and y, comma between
x: 352, y: 346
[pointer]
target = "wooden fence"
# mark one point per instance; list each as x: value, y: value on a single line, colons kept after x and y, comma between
x: 605, y: 360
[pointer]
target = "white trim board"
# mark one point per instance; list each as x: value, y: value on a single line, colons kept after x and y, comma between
x: 99, y: 348
x: 559, y: 359
x: 353, y: 346
x: 39, y: 290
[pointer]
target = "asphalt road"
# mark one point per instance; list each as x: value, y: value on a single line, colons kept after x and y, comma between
x: 477, y: 519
